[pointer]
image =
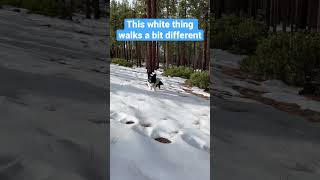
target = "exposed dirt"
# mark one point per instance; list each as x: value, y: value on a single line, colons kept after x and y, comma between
x: 237, y: 73
x: 163, y: 140
x: 313, y: 116
x: 191, y: 92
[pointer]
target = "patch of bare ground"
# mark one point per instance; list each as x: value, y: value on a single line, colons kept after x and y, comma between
x: 237, y: 73
x: 312, y: 97
x: 191, y: 92
x: 129, y: 122
x: 313, y: 116
x: 163, y: 140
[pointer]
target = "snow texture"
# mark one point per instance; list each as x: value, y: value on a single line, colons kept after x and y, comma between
x: 170, y: 113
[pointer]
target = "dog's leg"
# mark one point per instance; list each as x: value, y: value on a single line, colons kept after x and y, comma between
x: 153, y: 86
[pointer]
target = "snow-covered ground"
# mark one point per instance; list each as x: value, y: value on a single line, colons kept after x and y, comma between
x: 253, y: 140
x: 171, y: 113
x: 273, y: 89
x: 52, y: 97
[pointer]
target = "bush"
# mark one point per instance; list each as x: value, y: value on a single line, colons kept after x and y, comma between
x: 248, y: 34
x: 181, y: 71
x: 222, y: 30
x: 121, y: 62
x: 199, y: 79
x: 290, y: 57
x: 238, y: 34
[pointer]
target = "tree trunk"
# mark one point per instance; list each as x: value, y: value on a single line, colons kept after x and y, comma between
x: 154, y: 43
x: 168, y: 54
x: 127, y: 50
x: 199, y: 59
x: 130, y: 51
x: 268, y: 3
x: 124, y: 50
x: 164, y: 54
x: 205, y: 44
x: 88, y: 9
x: 183, y: 54
x: 273, y: 15
x: 194, y: 55
x: 179, y: 55
x: 318, y: 21
x: 149, y: 43
x: 158, y: 56
x: 96, y: 8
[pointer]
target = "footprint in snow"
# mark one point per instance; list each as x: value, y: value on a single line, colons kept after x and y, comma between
x: 114, y: 140
x: 196, y: 139
x: 165, y: 132
x: 123, y: 118
x: 145, y: 124
x: 163, y: 140
x: 129, y: 120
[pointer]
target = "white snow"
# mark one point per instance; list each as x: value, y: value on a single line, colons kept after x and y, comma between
x: 273, y: 89
x: 279, y: 91
x: 224, y: 58
x: 171, y: 113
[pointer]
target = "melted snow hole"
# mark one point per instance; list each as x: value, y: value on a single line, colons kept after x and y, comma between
x: 146, y: 124
x: 162, y: 140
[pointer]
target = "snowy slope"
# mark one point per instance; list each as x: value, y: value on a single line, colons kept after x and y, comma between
x: 170, y: 113
x: 223, y: 84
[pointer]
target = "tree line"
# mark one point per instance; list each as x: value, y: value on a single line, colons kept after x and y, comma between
x: 290, y: 15
x: 62, y: 8
x: 153, y: 54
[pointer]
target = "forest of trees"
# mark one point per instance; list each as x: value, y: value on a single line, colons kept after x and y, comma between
x: 191, y: 54
x: 292, y: 15
x: 62, y: 8
x: 280, y: 37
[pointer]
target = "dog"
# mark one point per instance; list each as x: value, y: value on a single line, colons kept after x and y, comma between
x: 153, y: 81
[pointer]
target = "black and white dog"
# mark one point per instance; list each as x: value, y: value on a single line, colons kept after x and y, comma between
x: 153, y: 81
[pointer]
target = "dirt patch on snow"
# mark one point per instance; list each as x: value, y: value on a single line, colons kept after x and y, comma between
x: 313, y: 116
x: 129, y: 122
x: 163, y: 140
x: 311, y: 97
x: 237, y: 73
x: 196, y: 94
